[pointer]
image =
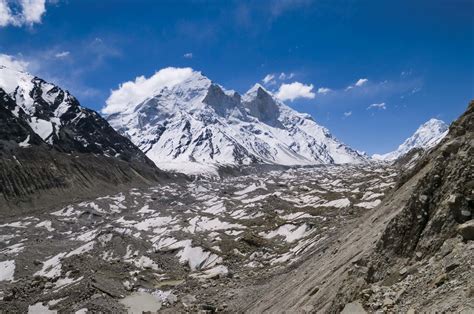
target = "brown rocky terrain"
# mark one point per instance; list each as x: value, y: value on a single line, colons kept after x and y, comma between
x: 412, y: 253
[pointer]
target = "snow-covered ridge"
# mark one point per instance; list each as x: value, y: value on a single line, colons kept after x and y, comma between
x: 42, y: 113
x: 42, y: 104
x: 196, y: 126
x: 426, y: 136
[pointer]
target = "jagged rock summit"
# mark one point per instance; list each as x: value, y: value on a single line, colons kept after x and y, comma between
x: 425, y: 137
x: 195, y: 126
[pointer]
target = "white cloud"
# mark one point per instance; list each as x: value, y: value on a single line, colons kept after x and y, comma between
x: 295, y: 90
x: 361, y: 82
x: 285, y: 76
x: 62, y: 54
x: 5, y: 14
x: 31, y: 12
x: 132, y: 93
x: 269, y: 79
x: 188, y: 55
x: 348, y: 114
x: 324, y: 90
x: 13, y: 62
x: 377, y: 106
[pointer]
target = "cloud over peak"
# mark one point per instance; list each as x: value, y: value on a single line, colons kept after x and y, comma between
x: 13, y: 62
x: 133, y: 92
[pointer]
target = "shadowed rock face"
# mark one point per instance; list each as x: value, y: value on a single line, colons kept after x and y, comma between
x: 222, y: 103
x: 49, y: 142
x: 264, y: 108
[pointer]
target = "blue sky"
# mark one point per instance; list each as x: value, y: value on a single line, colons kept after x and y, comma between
x: 413, y: 59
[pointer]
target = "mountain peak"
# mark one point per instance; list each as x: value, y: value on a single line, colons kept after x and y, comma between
x: 425, y: 137
x: 256, y: 89
x: 196, y: 124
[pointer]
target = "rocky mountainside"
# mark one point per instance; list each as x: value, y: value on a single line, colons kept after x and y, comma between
x: 425, y: 137
x: 44, y: 131
x: 412, y: 253
x: 197, y: 126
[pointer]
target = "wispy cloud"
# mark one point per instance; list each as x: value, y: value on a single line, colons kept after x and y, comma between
x: 269, y: 79
x: 294, y: 91
x: 347, y: 114
x: 188, y: 55
x: 62, y: 54
x: 324, y: 90
x: 286, y: 76
x: 377, y: 106
x: 370, y: 92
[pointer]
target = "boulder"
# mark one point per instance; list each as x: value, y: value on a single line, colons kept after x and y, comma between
x: 466, y: 230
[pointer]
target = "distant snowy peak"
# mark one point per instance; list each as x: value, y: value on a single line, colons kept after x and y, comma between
x: 427, y: 136
x: 41, y: 113
x: 197, y: 126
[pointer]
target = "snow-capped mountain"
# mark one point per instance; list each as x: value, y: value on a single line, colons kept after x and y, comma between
x: 40, y: 113
x: 426, y: 136
x: 196, y: 125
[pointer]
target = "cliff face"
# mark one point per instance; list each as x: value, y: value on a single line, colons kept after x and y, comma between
x: 413, y: 252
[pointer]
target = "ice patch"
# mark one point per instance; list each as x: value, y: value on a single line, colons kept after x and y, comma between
x: 340, y: 203
x: 39, y: 308
x: 218, y: 271
x: 290, y: 232
x: 7, y: 270
x: 46, y: 224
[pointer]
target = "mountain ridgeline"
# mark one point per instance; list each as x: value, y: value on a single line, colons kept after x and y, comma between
x: 197, y: 126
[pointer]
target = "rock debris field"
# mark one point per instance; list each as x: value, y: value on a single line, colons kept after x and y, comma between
x: 179, y: 246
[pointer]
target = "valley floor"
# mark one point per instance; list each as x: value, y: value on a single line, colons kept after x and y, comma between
x: 178, y: 247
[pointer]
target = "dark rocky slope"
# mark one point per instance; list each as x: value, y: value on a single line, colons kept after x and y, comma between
x: 412, y: 253
x: 52, y: 150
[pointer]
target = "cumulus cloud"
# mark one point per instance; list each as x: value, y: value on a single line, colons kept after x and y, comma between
x: 31, y: 12
x: 132, y: 93
x: 269, y: 79
x: 13, y: 62
x: 377, y: 106
x: 62, y: 54
x: 324, y: 90
x: 295, y: 90
x: 188, y: 55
